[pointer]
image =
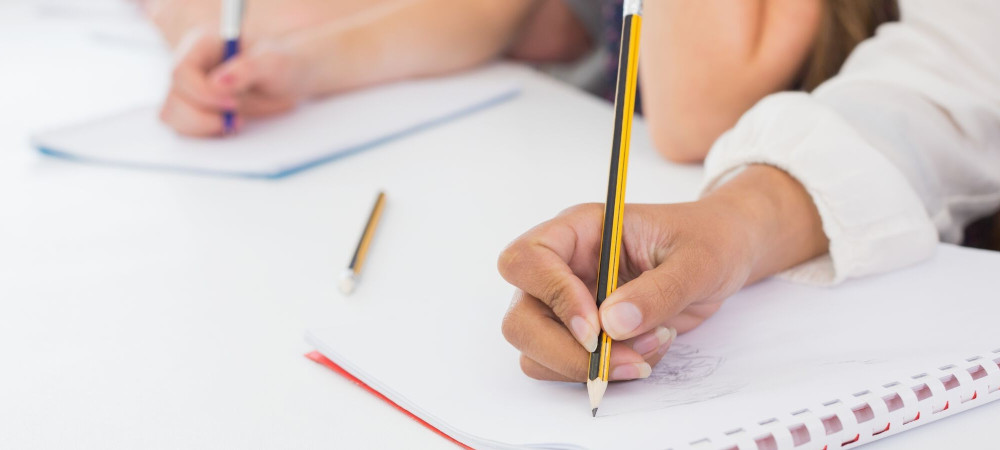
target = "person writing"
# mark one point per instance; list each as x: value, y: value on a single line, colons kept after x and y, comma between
x: 704, y: 62
x: 862, y: 176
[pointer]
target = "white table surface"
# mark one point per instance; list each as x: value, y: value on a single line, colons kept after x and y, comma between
x: 155, y: 310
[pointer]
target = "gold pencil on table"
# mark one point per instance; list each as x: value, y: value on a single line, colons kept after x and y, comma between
x: 349, y: 279
x: 614, y: 206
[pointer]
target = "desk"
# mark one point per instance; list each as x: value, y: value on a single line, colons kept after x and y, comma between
x: 155, y: 310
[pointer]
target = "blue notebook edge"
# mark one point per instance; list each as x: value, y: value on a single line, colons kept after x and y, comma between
x: 286, y: 172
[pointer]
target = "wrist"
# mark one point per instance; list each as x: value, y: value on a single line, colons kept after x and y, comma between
x: 779, y: 220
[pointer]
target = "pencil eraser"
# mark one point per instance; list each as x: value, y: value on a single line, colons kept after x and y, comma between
x: 347, y: 282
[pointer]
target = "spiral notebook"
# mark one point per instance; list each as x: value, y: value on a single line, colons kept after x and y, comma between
x: 316, y: 133
x: 781, y: 365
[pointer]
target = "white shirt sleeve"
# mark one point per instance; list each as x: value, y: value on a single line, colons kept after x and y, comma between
x: 901, y: 148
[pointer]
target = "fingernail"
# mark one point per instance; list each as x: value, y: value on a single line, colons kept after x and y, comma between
x: 650, y: 342
x: 621, y: 319
x: 631, y: 371
x: 584, y: 333
x: 666, y: 346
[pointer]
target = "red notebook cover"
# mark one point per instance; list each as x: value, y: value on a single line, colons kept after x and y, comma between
x: 319, y: 358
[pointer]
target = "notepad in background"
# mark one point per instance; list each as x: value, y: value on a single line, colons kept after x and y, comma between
x: 314, y: 134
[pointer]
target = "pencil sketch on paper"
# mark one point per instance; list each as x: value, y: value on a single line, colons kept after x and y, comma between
x: 682, y: 365
x: 683, y: 377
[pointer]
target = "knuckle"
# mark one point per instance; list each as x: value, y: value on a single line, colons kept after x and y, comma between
x: 510, y: 327
x: 528, y: 367
x: 575, y: 366
x: 509, y: 330
x: 667, y: 286
x: 509, y: 257
x: 558, y: 297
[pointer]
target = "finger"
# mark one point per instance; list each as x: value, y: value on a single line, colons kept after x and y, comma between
x: 200, y: 49
x: 620, y: 371
x: 653, y: 344
x: 539, y: 263
x: 692, y: 316
x: 188, y: 119
x: 236, y: 75
x: 192, y: 83
x: 536, y: 370
x: 654, y: 297
x: 623, y: 368
x: 530, y: 327
x: 190, y: 75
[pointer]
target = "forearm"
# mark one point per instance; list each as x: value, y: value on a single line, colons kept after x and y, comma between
x: 706, y: 62
x: 408, y: 39
x: 262, y: 18
x: 896, y: 151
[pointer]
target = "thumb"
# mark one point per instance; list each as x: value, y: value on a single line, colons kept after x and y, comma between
x: 647, y: 301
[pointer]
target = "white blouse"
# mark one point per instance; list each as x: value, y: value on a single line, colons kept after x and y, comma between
x: 898, y: 150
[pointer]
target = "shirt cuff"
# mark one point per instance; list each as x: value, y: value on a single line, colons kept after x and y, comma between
x: 874, y: 220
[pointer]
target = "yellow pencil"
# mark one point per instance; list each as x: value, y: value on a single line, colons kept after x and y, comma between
x: 350, y: 277
x: 614, y: 207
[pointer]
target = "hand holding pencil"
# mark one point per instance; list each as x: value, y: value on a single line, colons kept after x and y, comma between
x: 674, y: 264
x: 679, y: 262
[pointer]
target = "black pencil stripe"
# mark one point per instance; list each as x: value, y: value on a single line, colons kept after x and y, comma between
x: 611, y: 200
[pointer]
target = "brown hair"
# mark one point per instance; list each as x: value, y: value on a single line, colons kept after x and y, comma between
x: 984, y: 233
x: 845, y: 23
x: 995, y: 239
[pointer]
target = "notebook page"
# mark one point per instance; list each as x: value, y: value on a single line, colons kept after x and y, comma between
x: 773, y: 349
x: 424, y: 325
x: 316, y: 132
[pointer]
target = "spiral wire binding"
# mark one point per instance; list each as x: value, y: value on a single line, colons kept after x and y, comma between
x: 870, y: 415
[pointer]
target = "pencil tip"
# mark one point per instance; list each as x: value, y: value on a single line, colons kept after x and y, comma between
x: 593, y: 412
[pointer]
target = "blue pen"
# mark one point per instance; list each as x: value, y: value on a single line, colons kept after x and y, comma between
x: 232, y: 21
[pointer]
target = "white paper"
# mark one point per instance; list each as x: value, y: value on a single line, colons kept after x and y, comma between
x: 315, y: 133
x: 425, y: 331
